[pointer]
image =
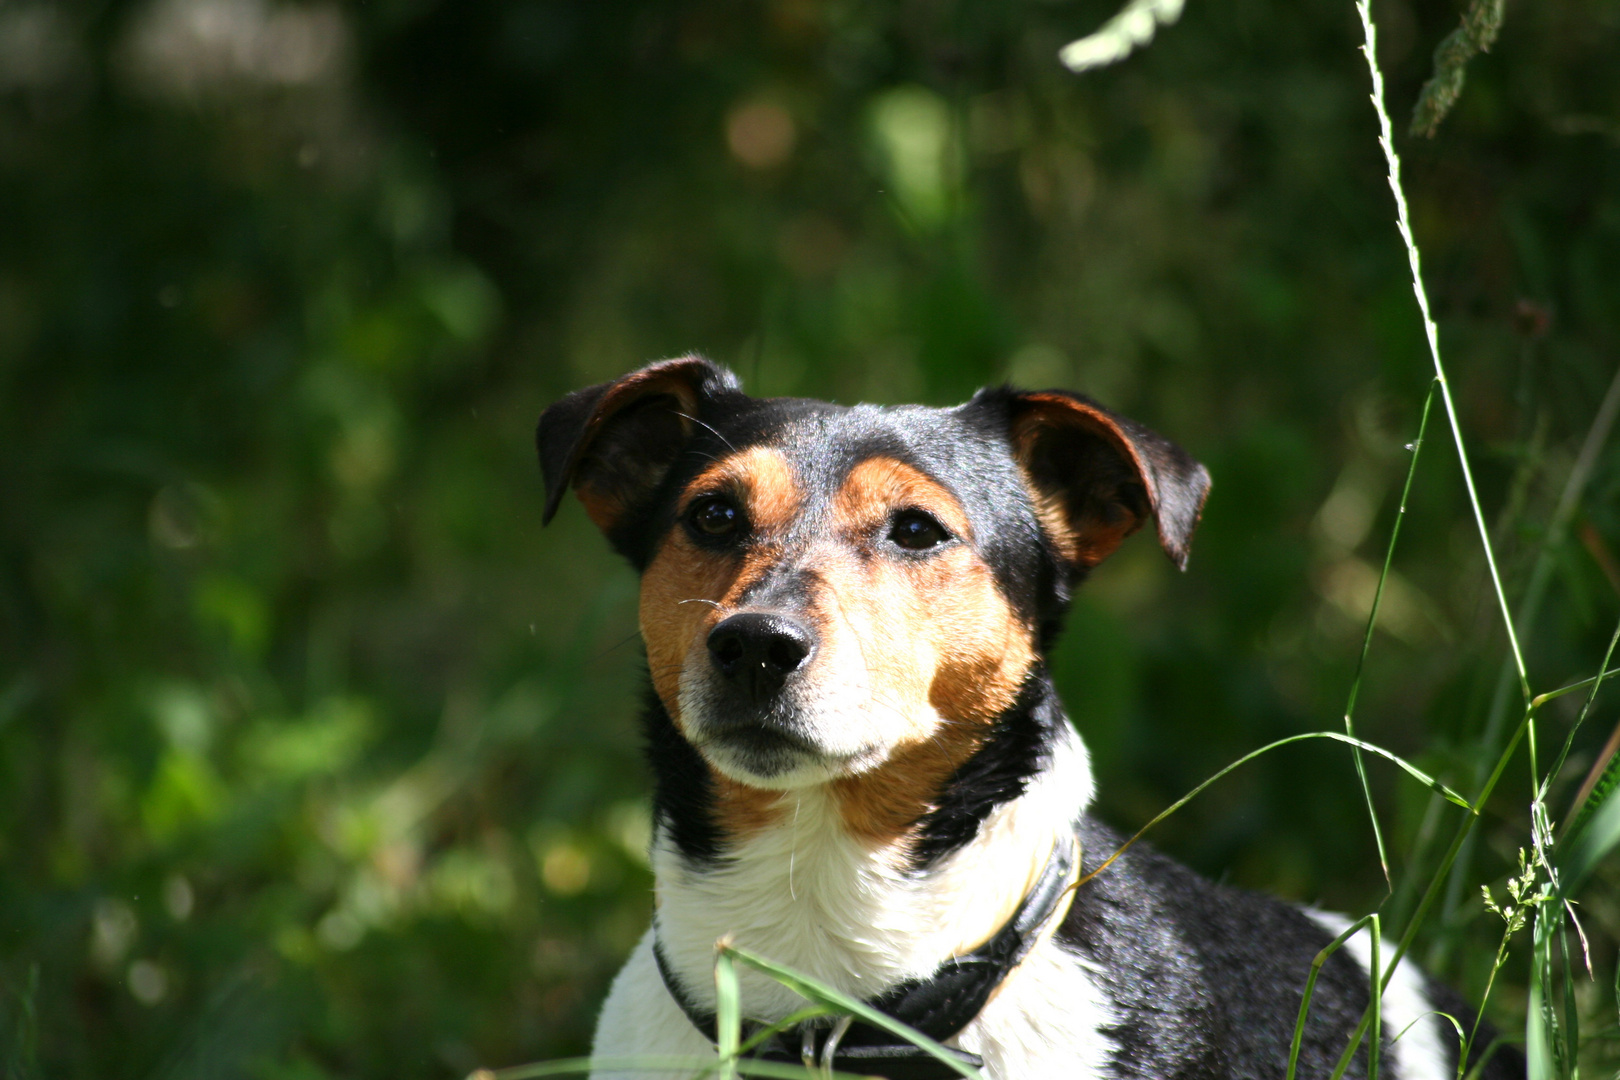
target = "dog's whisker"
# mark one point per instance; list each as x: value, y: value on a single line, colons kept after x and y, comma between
x: 793, y: 845
x: 708, y: 428
x: 616, y: 645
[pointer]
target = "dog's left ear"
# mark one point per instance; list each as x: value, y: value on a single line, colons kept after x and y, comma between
x: 1096, y: 477
x: 614, y: 442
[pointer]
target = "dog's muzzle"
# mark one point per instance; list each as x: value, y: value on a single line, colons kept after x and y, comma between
x: 750, y: 709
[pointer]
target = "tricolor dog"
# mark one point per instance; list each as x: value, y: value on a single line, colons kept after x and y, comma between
x: 863, y: 770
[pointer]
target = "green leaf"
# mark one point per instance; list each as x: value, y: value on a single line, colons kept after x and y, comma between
x: 1595, y: 832
x: 1541, y: 1025
x: 1605, y: 785
x: 1120, y: 36
x: 727, y: 1012
x: 1541, y: 699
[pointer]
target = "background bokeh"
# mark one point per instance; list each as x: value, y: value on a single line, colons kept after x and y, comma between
x: 318, y: 756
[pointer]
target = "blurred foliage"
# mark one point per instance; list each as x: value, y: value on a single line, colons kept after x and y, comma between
x: 318, y: 758
x: 1481, y: 23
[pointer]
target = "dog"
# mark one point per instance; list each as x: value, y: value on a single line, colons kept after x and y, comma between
x: 862, y: 769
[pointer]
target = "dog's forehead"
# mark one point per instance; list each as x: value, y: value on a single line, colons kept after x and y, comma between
x: 822, y: 443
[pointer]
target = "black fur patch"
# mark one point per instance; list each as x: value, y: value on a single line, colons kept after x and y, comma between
x: 683, y: 792
x: 1018, y: 748
x: 1206, y: 980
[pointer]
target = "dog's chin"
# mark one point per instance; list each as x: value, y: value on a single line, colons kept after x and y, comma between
x: 763, y: 758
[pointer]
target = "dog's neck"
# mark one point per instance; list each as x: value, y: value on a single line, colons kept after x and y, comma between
x: 858, y: 915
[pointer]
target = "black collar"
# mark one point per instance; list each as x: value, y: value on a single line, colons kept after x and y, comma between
x: 939, y: 1006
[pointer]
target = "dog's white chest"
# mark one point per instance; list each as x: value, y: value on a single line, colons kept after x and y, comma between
x: 1046, y: 1022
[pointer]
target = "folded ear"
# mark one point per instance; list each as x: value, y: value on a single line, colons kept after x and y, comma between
x: 1096, y: 477
x: 615, y: 442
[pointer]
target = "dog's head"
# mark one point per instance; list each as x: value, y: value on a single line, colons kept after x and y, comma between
x: 853, y: 594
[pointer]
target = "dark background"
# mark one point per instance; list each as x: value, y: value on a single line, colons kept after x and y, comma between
x: 317, y: 756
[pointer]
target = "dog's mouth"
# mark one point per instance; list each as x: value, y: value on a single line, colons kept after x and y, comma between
x: 760, y: 753
x: 793, y: 738
x: 763, y: 742
x: 765, y: 752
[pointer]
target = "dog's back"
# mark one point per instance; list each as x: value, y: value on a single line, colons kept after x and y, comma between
x: 1207, y: 980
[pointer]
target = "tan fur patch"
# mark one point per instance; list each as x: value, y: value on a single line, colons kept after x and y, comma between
x: 741, y: 810
x: 942, y: 647
x: 602, y: 509
x: 680, y: 592
x: 687, y: 589
x: 1054, y: 520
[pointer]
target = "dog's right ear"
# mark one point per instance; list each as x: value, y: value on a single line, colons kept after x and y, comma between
x: 615, y: 442
x: 1096, y: 477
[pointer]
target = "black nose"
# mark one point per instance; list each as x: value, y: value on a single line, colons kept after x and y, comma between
x: 756, y: 651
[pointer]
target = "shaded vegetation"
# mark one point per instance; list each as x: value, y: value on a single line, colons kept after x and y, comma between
x: 317, y: 755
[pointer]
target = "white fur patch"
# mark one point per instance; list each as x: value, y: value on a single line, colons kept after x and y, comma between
x: 1420, y: 1053
x: 639, y: 1017
x: 1046, y: 1022
x: 807, y: 894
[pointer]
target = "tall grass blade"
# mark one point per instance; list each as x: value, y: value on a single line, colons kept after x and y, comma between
x: 1376, y: 970
x: 1537, y: 1037
x: 1537, y: 1048
x: 654, y: 1063
x: 1447, y: 861
x: 1571, y: 1023
x: 1372, y: 623
x: 1485, y: 1058
x: 821, y: 993
x: 1552, y: 695
x: 1386, y: 139
x: 1418, y: 774
x: 1374, y: 1016
x: 1310, y: 988
x: 1593, y: 829
x: 727, y: 1011
x: 1541, y: 576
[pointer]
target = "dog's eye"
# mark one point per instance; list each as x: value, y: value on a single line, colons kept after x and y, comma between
x: 916, y: 531
x: 715, y: 517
